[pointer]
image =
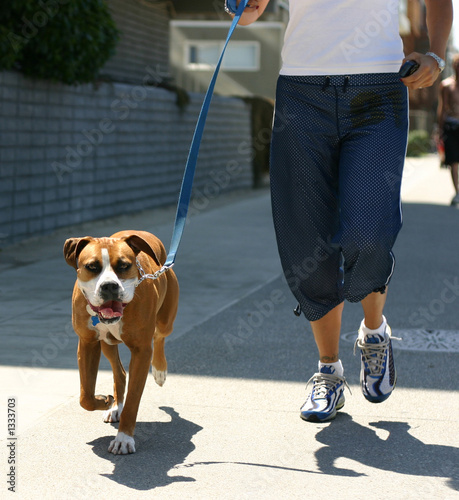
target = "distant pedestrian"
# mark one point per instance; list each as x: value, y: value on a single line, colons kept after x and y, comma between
x: 338, y: 149
x: 448, y: 124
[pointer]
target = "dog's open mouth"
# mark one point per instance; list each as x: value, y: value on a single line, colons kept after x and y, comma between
x: 110, y: 311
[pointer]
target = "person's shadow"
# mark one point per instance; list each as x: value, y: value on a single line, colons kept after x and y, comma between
x: 161, y: 446
x: 400, y: 452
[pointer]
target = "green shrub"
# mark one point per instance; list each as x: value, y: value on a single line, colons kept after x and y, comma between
x: 59, y: 40
x: 418, y: 143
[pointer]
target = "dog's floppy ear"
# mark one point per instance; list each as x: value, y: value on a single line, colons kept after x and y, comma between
x: 72, y: 249
x: 138, y: 244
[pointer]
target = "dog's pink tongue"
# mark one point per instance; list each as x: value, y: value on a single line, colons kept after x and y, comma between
x: 111, y: 309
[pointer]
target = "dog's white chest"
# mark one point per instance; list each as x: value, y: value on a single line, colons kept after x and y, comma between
x: 106, y: 332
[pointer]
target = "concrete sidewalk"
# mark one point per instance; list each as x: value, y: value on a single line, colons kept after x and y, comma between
x: 226, y: 423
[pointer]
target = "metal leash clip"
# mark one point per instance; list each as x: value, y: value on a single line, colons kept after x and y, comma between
x: 154, y: 276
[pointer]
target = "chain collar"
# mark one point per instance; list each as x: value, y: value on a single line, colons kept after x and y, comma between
x: 154, y: 276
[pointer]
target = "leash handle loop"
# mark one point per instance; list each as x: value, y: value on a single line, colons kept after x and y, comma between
x: 188, y: 176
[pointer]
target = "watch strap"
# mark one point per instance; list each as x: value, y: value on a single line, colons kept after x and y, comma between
x: 438, y: 59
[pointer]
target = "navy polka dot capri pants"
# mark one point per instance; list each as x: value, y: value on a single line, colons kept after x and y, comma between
x: 337, y: 155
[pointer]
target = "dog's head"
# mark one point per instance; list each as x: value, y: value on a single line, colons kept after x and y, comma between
x: 106, y: 271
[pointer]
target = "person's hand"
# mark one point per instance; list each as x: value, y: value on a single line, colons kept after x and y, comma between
x: 425, y: 75
x: 253, y: 10
x: 251, y: 6
x: 232, y: 5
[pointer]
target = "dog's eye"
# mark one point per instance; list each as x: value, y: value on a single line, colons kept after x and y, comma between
x: 93, y: 267
x: 123, y: 266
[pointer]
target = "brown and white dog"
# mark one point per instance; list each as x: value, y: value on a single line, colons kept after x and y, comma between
x: 108, y: 308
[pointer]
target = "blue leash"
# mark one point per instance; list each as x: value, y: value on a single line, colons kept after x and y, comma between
x: 188, y: 176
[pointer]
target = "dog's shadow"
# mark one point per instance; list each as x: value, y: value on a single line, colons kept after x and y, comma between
x: 161, y: 446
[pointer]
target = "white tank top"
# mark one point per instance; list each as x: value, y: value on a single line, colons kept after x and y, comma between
x: 342, y: 37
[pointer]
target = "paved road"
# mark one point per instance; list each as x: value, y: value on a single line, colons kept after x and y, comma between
x: 226, y: 423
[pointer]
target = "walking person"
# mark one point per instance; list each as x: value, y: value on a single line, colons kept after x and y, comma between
x: 448, y: 124
x: 337, y: 155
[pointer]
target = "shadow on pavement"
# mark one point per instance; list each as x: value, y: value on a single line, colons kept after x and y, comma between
x: 253, y: 464
x: 400, y: 452
x: 161, y: 446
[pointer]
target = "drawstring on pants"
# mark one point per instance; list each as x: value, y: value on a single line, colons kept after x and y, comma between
x: 297, y: 310
x: 328, y: 80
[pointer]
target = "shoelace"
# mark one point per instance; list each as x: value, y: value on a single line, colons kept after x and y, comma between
x: 324, y: 383
x: 373, y: 354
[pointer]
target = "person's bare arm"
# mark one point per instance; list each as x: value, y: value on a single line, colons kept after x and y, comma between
x: 439, y: 18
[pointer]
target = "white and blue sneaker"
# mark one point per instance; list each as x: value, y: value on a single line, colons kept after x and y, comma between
x: 326, y: 397
x: 377, y: 374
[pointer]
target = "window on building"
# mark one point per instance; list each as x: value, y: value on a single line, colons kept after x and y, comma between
x: 239, y: 56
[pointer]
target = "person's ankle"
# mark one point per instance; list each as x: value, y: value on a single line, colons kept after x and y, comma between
x: 366, y: 330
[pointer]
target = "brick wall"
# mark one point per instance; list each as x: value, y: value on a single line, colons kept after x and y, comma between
x: 74, y: 154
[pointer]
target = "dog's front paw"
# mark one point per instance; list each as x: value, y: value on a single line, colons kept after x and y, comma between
x: 160, y: 376
x: 122, y: 444
x: 113, y: 414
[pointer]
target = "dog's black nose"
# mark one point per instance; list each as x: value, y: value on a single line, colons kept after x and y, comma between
x: 110, y: 287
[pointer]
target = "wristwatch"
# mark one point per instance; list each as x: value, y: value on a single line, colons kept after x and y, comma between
x: 441, y: 63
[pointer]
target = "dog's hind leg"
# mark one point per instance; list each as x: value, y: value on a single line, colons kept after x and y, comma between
x: 159, y: 362
x: 164, y: 325
x: 88, y: 364
x: 113, y: 414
